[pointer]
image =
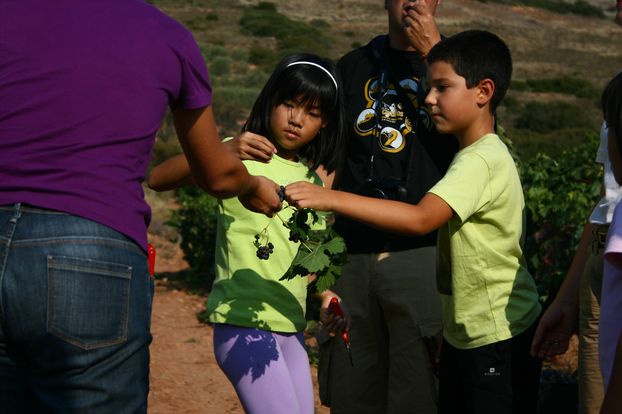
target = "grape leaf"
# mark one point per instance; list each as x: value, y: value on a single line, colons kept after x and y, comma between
x: 328, y: 279
x: 334, y: 245
x: 321, y: 252
x: 311, y: 261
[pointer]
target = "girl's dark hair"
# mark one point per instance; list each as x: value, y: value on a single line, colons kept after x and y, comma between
x: 611, y: 102
x: 312, y: 86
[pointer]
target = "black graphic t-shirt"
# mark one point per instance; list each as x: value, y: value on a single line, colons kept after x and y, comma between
x: 392, y: 126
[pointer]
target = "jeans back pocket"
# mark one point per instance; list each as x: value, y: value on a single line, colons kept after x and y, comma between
x: 88, y: 301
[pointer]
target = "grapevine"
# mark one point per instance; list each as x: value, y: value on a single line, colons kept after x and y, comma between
x: 321, y: 252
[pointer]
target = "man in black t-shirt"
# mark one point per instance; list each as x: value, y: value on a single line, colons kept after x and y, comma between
x: 388, y: 286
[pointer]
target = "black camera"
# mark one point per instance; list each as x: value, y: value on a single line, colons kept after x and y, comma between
x: 390, y: 188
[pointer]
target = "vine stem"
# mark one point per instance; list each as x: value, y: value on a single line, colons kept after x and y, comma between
x: 285, y: 224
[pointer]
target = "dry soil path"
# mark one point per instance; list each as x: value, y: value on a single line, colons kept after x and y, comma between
x: 184, y: 375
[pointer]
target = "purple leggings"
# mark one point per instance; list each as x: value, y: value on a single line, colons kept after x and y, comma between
x: 269, y: 371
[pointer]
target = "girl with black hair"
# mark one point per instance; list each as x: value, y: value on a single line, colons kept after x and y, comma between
x: 258, y: 318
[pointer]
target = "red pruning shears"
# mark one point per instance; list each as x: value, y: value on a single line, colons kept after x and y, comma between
x: 335, y: 309
x: 151, y: 256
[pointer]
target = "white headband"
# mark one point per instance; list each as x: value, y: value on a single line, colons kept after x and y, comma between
x: 304, y: 62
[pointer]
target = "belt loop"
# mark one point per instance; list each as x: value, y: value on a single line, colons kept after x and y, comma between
x: 17, y: 212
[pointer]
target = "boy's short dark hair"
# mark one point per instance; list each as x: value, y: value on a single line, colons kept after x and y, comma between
x: 611, y: 103
x: 477, y: 55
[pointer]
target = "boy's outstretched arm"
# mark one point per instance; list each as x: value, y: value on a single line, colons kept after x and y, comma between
x: 388, y: 215
x: 170, y: 174
x: 216, y: 169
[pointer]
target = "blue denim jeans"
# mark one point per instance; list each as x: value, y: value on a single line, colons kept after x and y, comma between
x: 75, y: 311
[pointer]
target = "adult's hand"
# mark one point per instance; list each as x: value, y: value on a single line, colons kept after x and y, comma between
x: 250, y: 146
x: 554, y: 330
x: 261, y: 196
x: 419, y: 25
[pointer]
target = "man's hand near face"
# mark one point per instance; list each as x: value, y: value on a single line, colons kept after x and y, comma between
x: 419, y: 24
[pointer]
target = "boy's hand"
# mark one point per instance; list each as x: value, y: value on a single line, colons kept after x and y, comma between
x: 262, y: 196
x: 554, y: 330
x: 249, y: 146
x: 420, y: 26
x: 302, y: 194
x: 433, y: 345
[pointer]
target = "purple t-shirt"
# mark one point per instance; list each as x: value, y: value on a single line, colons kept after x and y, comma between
x: 84, y: 85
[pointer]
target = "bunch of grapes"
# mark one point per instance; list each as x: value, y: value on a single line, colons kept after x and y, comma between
x: 297, y: 231
x: 264, y: 248
x: 263, y: 252
x: 294, y: 237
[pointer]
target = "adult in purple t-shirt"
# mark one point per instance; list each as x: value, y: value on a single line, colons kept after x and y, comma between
x: 84, y: 85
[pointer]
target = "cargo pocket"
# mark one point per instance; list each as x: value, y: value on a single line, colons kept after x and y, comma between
x: 88, y: 301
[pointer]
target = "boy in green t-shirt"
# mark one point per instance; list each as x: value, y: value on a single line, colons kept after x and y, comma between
x: 490, y: 301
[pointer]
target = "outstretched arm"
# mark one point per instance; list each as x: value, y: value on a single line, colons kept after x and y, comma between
x: 216, y: 169
x: 170, y: 174
x: 175, y: 171
x: 392, y: 216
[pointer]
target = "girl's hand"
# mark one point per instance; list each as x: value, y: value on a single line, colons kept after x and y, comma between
x: 554, y: 329
x: 303, y: 194
x: 333, y: 324
x: 249, y: 146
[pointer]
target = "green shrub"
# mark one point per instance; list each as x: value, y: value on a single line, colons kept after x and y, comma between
x: 568, y: 85
x: 559, y: 194
x: 239, y: 54
x: 195, y: 221
x: 215, y: 51
x: 263, y: 57
x: 510, y: 102
x: 264, y: 20
x: 320, y: 24
x: 529, y: 143
x: 254, y: 79
x: 231, y: 105
x: 550, y: 116
x: 220, y: 66
x: 211, y: 17
x: 266, y: 6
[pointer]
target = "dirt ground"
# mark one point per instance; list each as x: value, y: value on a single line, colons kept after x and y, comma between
x: 184, y: 375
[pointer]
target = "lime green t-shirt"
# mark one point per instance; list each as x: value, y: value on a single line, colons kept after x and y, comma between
x: 486, y: 290
x: 247, y: 291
